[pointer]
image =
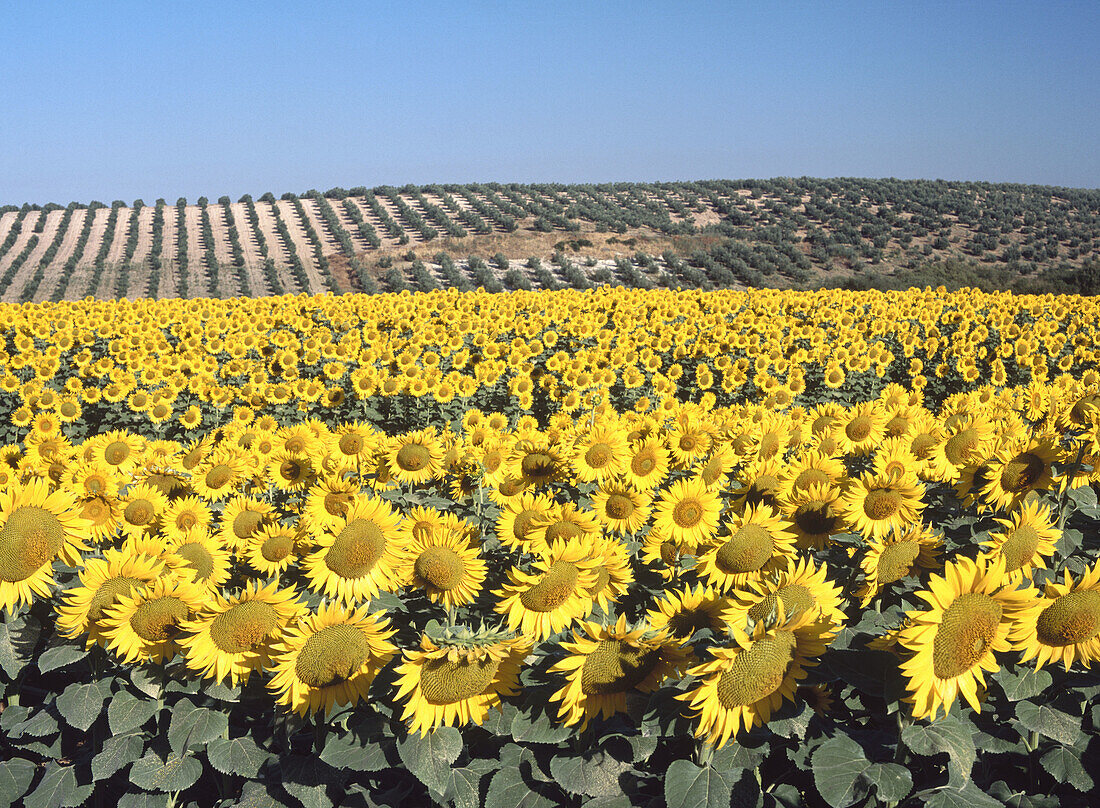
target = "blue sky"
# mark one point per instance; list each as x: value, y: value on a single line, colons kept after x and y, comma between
x: 122, y: 100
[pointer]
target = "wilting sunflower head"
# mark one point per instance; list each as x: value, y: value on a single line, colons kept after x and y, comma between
x: 897, y: 555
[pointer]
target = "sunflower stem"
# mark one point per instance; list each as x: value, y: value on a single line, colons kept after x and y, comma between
x: 320, y: 727
x: 1063, y: 504
x: 704, y: 754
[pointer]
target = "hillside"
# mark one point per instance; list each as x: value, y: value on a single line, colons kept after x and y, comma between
x: 784, y: 232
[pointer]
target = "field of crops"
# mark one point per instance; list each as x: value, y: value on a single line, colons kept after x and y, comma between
x: 711, y: 234
x: 607, y: 548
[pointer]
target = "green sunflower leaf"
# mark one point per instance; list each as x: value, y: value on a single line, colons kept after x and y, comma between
x: 510, y: 789
x: 17, y: 639
x: 947, y: 736
x: 1046, y: 720
x: 429, y: 757
x: 174, y: 774
x: 240, y: 756
x: 538, y: 729
x: 1022, y: 683
x: 142, y: 799
x: 58, y: 788
x: 81, y: 705
x: 464, y: 788
x: 193, y: 727
x: 15, y: 777
x: 691, y: 786
x: 593, y: 775
x: 843, y: 774
x: 1064, y: 765
x: 59, y: 656
x: 118, y: 751
x: 127, y: 712
x: 969, y: 796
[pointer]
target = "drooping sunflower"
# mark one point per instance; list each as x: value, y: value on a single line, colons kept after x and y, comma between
x: 647, y: 466
x: 683, y: 612
x: 330, y: 658
x: 808, y: 469
x: 270, y: 550
x: 199, y: 558
x: 895, y: 556
x: 565, y: 522
x: 758, y: 542
x: 415, y: 457
x: 289, y: 471
x: 613, y: 573
x: 1018, y: 469
x: 1028, y: 537
x: 965, y: 439
x: 102, y: 581
x: 233, y: 636
x: 327, y: 500
x: 716, y: 469
x: 606, y: 663
x: 536, y: 463
x: 761, y: 481
x: 1063, y: 625
x: 516, y: 517
x: 142, y: 626
x: 800, y: 585
x: 553, y: 595
x: 458, y: 676
x: 445, y: 564
x: 357, y: 556
x: 744, y: 684
x: 600, y: 454
x: 687, y: 513
x: 876, y: 505
x: 952, y: 643
x: 36, y: 526
x: 814, y: 514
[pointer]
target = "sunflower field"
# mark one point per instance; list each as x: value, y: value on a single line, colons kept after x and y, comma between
x: 605, y: 548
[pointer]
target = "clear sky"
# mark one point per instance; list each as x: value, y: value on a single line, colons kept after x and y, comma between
x: 118, y: 100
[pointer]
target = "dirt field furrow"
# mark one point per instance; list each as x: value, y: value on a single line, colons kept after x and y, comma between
x: 253, y: 262
x: 57, y: 266
x: 145, y: 234
x: 223, y: 250
x: 302, y: 244
x: 375, y: 222
x: 198, y: 281
x: 391, y: 209
x: 82, y: 275
x: 350, y: 226
x: 329, y: 243
x: 30, y: 266
x: 25, y: 233
x: 275, y: 247
x: 7, y: 221
x: 122, y: 232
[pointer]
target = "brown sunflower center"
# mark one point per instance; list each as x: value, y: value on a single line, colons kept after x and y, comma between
x: 443, y: 681
x: 769, y: 445
x: 413, y: 457
x: 562, y: 529
x: 687, y: 443
x: 688, y: 512
x: 218, y: 477
x: 1071, y: 619
x: 763, y: 489
x: 959, y: 447
x: 603, y: 578
x: 859, y: 428
x: 246, y: 523
x: 523, y: 522
x: 619, y: 506
x: 336, y: 503
x: 356, y: 550
x: 898, y: 425
x: 643, y: 464
x: 96, y: 510
x: 555, y: 587
x: 139, y: 512
x: 1022, y: 472
x: 291, y: 470
x: 276, y: 548
x: 351, y: 445
x: 809, y: 477
x: 1020, y: 547
x: 747, y: 550
x: 616, y: 667
x: 967, y: 630
x: 823, y: 423
x: 244, y: 626
x: 198, y: 558
x: 116, y: 452
x: 795, y: 598
x: 896, y: 561
x: 30, y: 538
x: 922, y: 445
x: 538, y: 466
x: 758, y: 671
x: 159, y: 620
x: 670, y: 552
x: 109, y: 592
x: 881, y: 503
x: 332, y: 655
x: 440, y: 567
x: 815, y: 518
x: 598, y: 455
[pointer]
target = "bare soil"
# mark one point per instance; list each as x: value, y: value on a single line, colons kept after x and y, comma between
x: 21, y: 240
x: 301, y: 243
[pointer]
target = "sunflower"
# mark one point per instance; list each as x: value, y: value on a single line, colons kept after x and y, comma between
x: 600, y: 454
x: 270, y: 550
x: 561, y: 522
x: 758, y: 543
x: 118, y: 449
x: 445, y: 564
x: 606, y: 663
x: 199, y: 558
x: 536, y: 463
x: 458, y: 676
x: 716, y: 469
x: 743, y: 685
x: 861, y: 429
x: 241, y: 519
x: 761, y: 481
x: 808, y: 469
x: 895, y: 556
x: 102, y: 581
x: 965, y: 439
x: 415, y: 457
x: 1017, y: 470
x: 687, y: 513
x: 142, y: 626
x: 1029, y: 536
x: 289, y: 471
x: 93, y: 479
x: 951, y: 643
x: 684, y: 612
x: 36, y: 527
x: 800, y: 585
x: 357, y: 556
x: 688, y: 442
x: 876, y: 505
x: 184, y: 515
x: 327, y: 500
x: 613, y: 573
x: 142, y: 506
x: 1063, y: 625
x: 330, y: 658
x: 894, y: 458
x: 102, y: 514
x: 355, y: 442
x: 556, y: 593
x: 233, y: 636
x: 620, y: 508
x: 647, y: 466
x: 813, y: 515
